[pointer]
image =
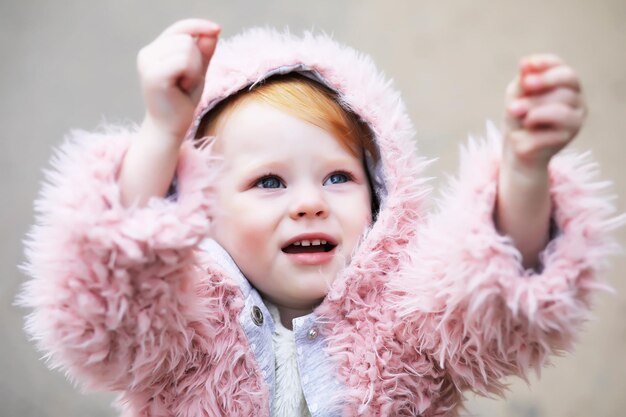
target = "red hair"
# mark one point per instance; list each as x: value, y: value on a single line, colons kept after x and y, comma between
x: 305, y: 99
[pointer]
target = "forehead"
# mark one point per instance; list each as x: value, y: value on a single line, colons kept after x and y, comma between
x: 254, y: 128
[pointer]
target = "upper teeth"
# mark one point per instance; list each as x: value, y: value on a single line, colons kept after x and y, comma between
x: 313, y: 242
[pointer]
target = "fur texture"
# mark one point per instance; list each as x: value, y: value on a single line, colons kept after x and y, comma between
x: 430, y: 306
x: 289, y: 401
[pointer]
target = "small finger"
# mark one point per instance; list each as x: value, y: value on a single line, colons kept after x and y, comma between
x: 176, y: 59
x: 162, y: 48
x: 539, y: 62
x: 521, y: 105
x: 207, y: 45
x: 193, y: 71
x: 559, y: 76
x: 169, y: 72
x: 553, y: 116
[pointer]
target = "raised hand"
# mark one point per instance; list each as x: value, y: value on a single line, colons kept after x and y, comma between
x: 172, y: 70
x: 544, y: 110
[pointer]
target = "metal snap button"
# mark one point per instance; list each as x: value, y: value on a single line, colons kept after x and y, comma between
x: 257, y: 315
x: 312, y: 333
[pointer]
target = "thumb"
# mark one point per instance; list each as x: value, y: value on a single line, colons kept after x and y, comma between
x: 206, y: 45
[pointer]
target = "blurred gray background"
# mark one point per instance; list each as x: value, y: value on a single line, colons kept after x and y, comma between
x: 71, y: 64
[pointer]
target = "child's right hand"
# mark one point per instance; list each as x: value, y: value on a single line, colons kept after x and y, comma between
x: 172, y: 70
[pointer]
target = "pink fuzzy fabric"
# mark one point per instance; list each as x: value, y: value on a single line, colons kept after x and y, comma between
x: 419, y: 318
x: 123, y: 301
x: 430, y: 306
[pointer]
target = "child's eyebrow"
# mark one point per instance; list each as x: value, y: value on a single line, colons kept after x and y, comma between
x: 259, y: 164
x: 343, y: 161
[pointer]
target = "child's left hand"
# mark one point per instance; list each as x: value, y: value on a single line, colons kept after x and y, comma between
x: 544, y: 111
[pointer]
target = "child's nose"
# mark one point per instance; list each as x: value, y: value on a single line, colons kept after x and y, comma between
x: 309, y: 203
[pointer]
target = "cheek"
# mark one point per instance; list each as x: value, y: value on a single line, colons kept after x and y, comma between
x: 364, y: 210
x: 242, y: 226
x: 356, y: 215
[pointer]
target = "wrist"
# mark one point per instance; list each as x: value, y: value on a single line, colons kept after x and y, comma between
x: 525, y: 167
x: 149, y: 164
x: 523, y: 177
x: 153, y: 136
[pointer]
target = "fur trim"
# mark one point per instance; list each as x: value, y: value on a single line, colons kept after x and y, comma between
x: 464, y: 299
x: 122, y: 301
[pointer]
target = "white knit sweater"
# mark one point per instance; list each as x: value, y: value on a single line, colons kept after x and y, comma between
x: 289, y: 400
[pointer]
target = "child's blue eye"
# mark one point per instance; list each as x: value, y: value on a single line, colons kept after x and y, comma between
x: 269, y: 181
x: 337, y: 178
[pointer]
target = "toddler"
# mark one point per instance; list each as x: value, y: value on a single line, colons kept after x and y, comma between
x: 260, y: 245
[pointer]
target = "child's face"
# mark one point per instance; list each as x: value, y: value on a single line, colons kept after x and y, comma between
x: 285, y: 182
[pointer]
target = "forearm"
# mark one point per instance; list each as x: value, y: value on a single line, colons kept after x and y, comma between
x: 171, y: 73
x: 149, y: 165
x: 544, y: 112
x: 464, y: 283
x: 523, y: 209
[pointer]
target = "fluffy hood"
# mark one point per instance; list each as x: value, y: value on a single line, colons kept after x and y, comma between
x: 356, y: 296
x: 245, y: 60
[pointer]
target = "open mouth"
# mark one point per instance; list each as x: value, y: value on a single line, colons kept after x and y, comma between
x: 309, y: 246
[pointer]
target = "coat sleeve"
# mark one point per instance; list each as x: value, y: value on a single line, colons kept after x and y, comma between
x: 111, y: 288
x: 466, y: 300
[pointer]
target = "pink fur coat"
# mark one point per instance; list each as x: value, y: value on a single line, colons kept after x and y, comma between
x: 431, y: 305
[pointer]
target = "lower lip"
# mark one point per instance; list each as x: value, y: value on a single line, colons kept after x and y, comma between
x: 314, y: 258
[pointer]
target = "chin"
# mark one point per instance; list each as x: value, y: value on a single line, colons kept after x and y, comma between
x: 310, y: 296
